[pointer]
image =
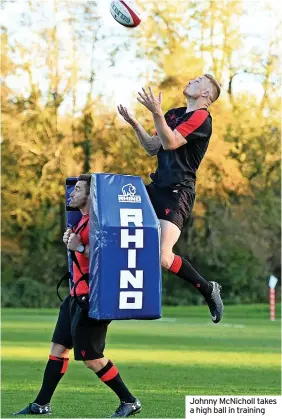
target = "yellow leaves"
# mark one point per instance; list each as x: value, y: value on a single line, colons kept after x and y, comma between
x: 181, y: 58
x: 271, y: 158
x: 242, y: 157
x: 22, y: 216
x: 219, y: 173
x: 35, y: 149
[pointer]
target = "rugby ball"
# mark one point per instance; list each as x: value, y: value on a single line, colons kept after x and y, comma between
x: 125, y: 12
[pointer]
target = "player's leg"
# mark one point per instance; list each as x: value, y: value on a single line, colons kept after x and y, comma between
x: 55, y: 370
x: 173, y: 208
x: 89, y: 337
x: 182, y: 268
x: 176, y: 264
x: 108, y: 373
x: 56, y: 365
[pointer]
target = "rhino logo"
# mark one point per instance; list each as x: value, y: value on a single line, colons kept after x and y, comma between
x: 128, y: 190
x: 129, y: 194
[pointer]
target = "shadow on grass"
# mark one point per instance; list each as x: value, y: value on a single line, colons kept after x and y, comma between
x: 192, y: 341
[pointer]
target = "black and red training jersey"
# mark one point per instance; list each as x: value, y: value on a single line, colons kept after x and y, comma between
x: 83, y: 261
x: 178, y: 167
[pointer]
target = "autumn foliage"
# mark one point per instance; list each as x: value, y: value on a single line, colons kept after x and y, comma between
x: 47, y: 135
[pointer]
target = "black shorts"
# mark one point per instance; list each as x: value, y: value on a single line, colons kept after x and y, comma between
x: 74, y: 329
x: 174, y: 205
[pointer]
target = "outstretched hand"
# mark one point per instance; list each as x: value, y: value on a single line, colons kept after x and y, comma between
x: 128, y: 117
x: 150, y: 101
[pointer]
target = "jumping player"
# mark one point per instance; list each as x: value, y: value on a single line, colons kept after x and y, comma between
x: 180, y: 143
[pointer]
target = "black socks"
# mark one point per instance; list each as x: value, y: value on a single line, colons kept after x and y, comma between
x: 54, y: 371
x: 110, y: 376
x: 182, y: 268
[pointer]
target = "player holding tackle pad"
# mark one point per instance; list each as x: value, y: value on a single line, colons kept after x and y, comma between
x: 75, y: 329
x: 181, y: 141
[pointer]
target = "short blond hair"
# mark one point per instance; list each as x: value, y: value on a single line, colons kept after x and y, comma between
x: 215, y: 87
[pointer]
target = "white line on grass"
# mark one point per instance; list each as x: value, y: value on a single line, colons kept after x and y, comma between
x: 171, y: 320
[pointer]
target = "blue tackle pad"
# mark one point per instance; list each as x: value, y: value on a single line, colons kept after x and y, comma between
x: 125, y: 269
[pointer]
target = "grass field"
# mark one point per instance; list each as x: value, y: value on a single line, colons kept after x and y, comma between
x: 161, y: 361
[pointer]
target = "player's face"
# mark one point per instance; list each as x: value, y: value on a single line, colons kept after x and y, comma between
x: 195, y: 87
x: 79, y: 196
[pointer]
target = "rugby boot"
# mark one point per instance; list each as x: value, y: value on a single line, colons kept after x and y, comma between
x: 215, y: 303
x: 127, y: 409
x: 35, y: 409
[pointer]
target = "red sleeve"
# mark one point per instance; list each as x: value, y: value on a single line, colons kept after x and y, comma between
x: 84, y: 234
x: 193, y: 123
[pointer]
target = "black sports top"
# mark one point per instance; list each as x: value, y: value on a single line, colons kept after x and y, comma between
x: 178, y: 167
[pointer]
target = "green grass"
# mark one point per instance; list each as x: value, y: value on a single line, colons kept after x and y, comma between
x: 161, y: 361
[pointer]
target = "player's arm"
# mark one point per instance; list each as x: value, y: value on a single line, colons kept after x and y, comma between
x: 74, y: 241
x: 150, y: 143
x: 196, y: 126
x: 170, y: 140
x: 66, y: 235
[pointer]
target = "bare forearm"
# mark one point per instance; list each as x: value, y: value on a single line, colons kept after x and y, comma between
x: 165, y: 134
x: 150, y: 144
